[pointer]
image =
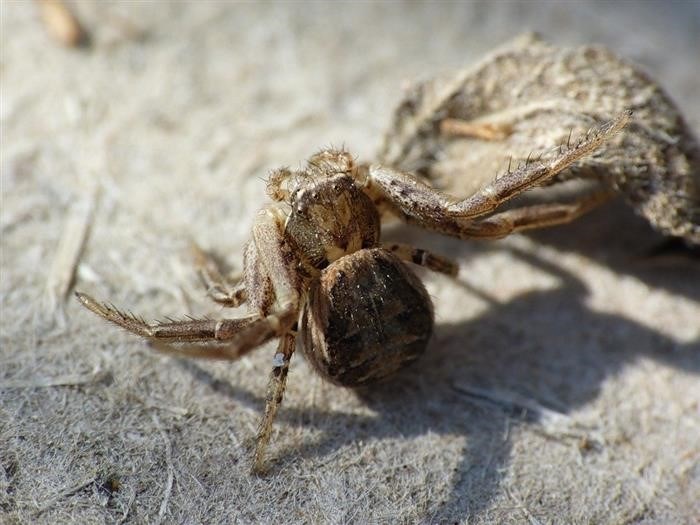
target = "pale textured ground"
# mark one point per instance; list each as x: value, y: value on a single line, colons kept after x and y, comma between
x: 175, y: 115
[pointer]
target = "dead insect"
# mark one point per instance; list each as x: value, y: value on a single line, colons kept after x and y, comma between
x: 459, y: 129
x: 315, y: 267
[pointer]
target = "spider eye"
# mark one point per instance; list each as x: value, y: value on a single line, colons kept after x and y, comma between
x: 300, y: 209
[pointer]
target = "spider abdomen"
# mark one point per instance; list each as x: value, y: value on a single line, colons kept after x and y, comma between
x: 368, y: 315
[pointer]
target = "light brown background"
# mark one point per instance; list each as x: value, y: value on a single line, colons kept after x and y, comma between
x: 164, y: 130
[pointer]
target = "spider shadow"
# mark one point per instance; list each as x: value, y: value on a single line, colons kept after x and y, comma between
x: 523, y: 346
x: 616, y: 237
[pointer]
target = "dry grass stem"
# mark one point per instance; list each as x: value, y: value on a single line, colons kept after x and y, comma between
x: 67, y: 255
x: 61, y: 23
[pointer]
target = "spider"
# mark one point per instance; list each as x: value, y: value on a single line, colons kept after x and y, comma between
x: 316, y: 270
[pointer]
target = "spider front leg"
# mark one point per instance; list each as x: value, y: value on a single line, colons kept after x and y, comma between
x: 418, y: 203
x: 271, y: 275
x: 207, y: 338
x: 534, y: 174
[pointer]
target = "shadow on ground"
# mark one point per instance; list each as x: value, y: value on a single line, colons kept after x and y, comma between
x: 615, y: 237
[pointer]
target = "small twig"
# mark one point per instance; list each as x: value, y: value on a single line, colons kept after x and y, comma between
x: 154, y: 403
x: 95, y: 376
x: 171, y: 471
x: 510, y: 400
x: 553, y: 424
x: 69, y: 249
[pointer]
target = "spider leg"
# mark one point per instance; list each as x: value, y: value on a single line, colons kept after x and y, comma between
x: 536, y: 216
x: 219, y: 289
x: 276, y: 302
x: 273, y: 399
x: 436, y: 263
x: 216, y: 339
x: 536, y: 173
x: 417, y: 202
x: 275, y: 268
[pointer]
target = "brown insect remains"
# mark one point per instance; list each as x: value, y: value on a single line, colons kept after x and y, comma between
x: 315, y: 268
x: 457, y: 129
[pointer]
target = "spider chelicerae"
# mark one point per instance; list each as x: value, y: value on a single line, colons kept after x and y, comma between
x: 315, y: 268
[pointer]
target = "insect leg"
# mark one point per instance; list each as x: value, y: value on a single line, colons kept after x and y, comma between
x: 479, y: 130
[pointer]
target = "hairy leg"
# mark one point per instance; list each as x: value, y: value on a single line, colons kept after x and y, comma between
x: 274, y: 267
x: 536, y: 216
x: 273, y: 399
x: 534, y: 174
x: 216, y: 339
x: 417, y: 202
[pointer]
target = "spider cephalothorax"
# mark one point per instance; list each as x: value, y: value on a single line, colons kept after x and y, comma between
x: 315, y: 266
x: 331, y: 217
